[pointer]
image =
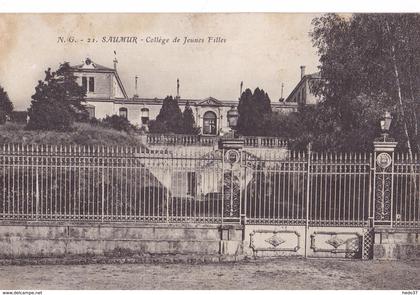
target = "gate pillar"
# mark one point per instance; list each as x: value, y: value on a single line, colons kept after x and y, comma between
x: 383, y: 182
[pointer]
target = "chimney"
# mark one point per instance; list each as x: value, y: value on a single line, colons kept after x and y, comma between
x: 281, y: 97
x: 115, y: 63
x: 302, y: 72
x: 240, y: 90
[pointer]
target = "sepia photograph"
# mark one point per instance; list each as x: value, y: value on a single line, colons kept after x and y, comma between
x: 209, y: 151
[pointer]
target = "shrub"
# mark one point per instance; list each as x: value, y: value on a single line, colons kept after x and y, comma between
x: 118, y: 123
x: 50, y: 115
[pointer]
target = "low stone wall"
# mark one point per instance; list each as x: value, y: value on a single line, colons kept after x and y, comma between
x: 396, y: 244
x: 43, y: 239
x: 211, y: 242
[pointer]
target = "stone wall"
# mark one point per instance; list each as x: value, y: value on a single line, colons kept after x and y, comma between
x: 43, y: 239
x: 396, y: 244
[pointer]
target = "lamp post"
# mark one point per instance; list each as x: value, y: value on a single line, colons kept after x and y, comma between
x: 383, y: 167
x: 231, y: 140
x: 233, y: 116
x: 385, y: 125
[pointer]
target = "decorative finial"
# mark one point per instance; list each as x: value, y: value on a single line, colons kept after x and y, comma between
x: 177, y: 87
x: 115, y: 60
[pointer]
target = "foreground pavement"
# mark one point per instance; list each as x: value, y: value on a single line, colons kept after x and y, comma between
x: 257, y: 274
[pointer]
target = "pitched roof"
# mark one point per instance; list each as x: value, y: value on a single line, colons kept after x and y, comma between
x: 316, y: 75
x: 89, y: 65
x: 210, y: 101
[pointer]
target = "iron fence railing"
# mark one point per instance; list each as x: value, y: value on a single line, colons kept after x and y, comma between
x: 406, y: 191
x: 77, y: 183
x: 321, y: 189
x: 107, y: 184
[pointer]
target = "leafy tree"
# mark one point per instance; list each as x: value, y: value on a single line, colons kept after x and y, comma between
x: 252, y: 108
x: 118, y: 123
x: 169, y: 119
x: 6, y: 106
x: 369, y: 63
x: 57, y: 102
x: 189, y: 121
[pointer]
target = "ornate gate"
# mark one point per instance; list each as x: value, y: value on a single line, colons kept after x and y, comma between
x: 308, y: 204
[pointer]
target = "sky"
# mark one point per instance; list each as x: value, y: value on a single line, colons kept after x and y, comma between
x: 261, y: 49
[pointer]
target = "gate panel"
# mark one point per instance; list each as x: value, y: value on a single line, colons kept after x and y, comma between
x: 275, y: 191
x: 330, y: 195
x: 339, y: 189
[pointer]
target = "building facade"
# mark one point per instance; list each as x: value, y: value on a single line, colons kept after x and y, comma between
x: 106, y: 96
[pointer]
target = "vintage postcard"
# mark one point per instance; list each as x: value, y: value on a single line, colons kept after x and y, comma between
x: 209, y: 151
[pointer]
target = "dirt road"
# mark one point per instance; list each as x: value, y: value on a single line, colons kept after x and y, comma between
x: 274, y: 274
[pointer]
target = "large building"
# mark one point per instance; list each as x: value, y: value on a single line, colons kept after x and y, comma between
x: 302, y: 93
x: 106, y: 96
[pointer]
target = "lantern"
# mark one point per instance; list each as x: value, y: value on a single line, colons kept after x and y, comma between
x: 386, y: 122
x: 232, y: 116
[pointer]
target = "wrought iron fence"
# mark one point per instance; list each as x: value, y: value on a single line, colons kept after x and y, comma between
x: 108, y: 184
x: 321, y: 189
x: 406, y: 191
x: 191, y: 185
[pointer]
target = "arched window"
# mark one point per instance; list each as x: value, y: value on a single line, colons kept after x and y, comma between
x: 210, y: 123
x: 123, y: 112
x: 145, y: 116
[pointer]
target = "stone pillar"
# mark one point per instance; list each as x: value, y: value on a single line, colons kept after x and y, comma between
x: 383, y: 182
x: 382, y: 197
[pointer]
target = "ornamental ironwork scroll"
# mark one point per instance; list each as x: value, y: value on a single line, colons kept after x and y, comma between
x: 383, y: 187
x: 231, y: 184
x: 231, y: 190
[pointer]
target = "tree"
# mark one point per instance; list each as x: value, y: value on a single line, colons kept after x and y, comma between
x: 57, y: 102
x: 369, y: 63
x: 189, y: 121
x: 252, y: 108
x: 6, y: 106
x: 169, y: 119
